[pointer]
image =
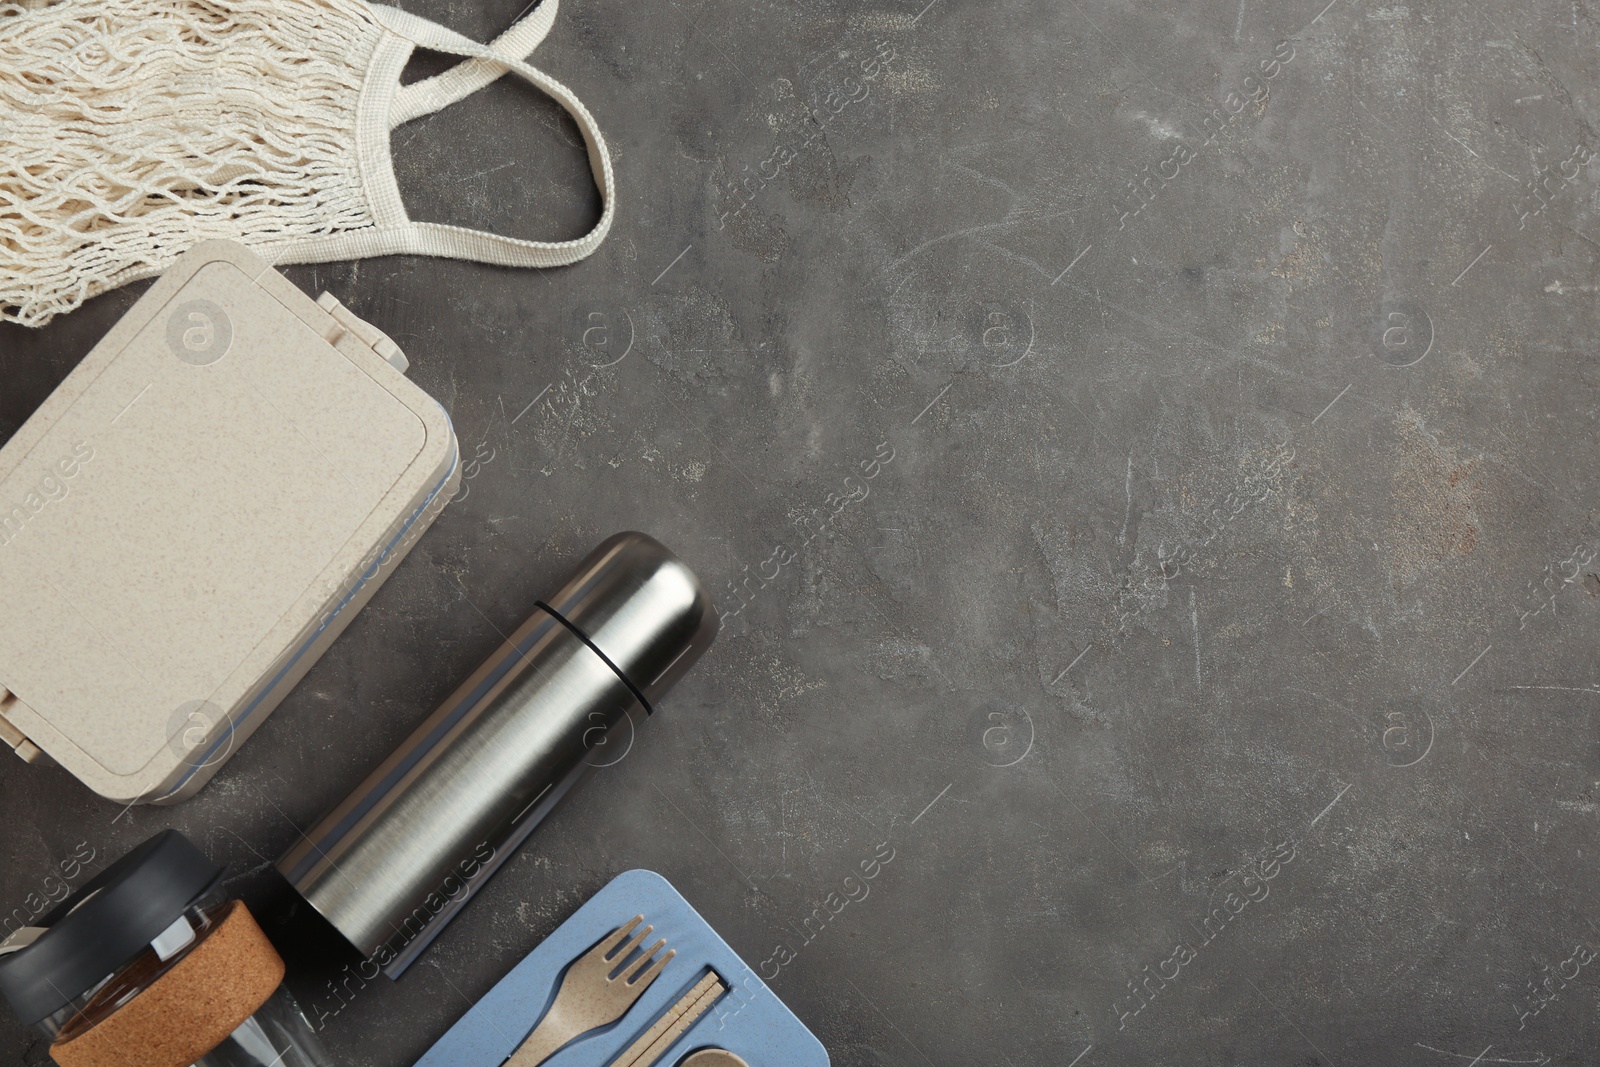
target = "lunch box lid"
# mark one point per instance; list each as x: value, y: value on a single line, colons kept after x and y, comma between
x: 186, y: 512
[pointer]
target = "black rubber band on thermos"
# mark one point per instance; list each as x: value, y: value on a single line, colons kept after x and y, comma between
x: 581, y: 636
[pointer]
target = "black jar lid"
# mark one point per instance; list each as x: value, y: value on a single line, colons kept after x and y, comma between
x: 110, y: 920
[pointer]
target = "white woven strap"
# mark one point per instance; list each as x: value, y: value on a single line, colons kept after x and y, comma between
x: 458, y: 242
x: 462, y: 80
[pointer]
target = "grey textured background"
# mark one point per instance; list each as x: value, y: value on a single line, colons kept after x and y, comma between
x: 1364, y: 632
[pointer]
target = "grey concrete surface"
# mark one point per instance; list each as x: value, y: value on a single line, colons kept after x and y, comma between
x: 1217, y: 650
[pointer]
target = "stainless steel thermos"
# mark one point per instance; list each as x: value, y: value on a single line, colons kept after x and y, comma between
x: 393, y: 863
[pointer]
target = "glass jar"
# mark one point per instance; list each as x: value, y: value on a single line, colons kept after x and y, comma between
x: 204, y: 990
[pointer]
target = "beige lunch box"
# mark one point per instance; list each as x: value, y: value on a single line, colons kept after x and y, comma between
x: 195, y: 514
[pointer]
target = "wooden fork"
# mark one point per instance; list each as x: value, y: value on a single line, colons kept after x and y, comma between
x: 590, y: 997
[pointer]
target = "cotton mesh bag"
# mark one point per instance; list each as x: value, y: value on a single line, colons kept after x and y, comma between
x: 132, y: 129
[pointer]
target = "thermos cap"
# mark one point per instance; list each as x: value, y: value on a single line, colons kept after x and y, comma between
x: 641, y: 608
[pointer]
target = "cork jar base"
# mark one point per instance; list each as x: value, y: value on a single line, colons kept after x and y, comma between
x: 189, y: 1010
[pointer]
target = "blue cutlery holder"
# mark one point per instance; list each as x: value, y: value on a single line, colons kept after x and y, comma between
x: 748, y: 1020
